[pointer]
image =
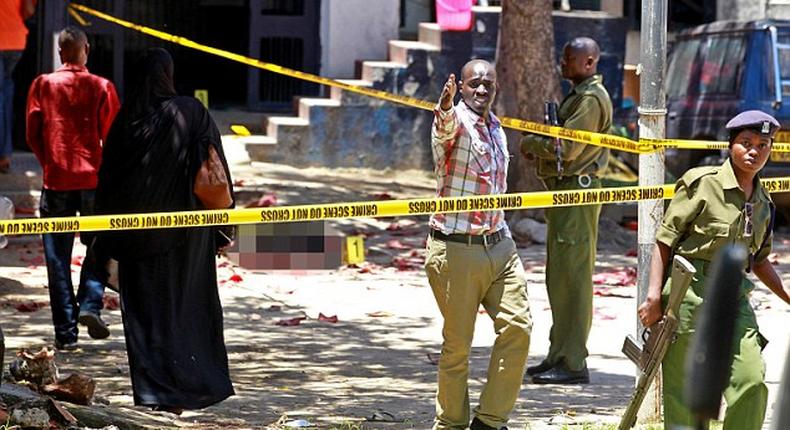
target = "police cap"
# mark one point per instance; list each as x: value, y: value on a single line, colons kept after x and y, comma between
x: 753, y: 119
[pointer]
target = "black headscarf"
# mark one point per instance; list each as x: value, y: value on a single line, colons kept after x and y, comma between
x: 150, y: 82
x: 153, y: 151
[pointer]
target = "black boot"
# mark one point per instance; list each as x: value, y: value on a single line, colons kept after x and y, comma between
x: 562, y: 375
x: 479, y: 425
x: 544, y: 366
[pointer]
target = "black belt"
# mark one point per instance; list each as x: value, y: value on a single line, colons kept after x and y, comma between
x: 470, y: 239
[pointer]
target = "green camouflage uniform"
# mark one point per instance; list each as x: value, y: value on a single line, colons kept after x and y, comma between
x: 573, y: 231
x: 708, y: 212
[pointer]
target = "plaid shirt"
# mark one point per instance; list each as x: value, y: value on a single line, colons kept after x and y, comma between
x: 470, y: 159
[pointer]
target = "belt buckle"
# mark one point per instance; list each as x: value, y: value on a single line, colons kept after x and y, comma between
x: 585, y: 181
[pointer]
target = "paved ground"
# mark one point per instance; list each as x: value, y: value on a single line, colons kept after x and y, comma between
x: 375, y: 365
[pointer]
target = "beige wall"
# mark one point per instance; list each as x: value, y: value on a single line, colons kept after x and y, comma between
x: 612, y: 7
x: 354, y: 30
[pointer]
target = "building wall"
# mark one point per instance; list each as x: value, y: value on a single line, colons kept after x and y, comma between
x: 752, y: 9
x: 740, y: 9
x: 779, y: 9
x: 354, y: 30
x: 415, y: 12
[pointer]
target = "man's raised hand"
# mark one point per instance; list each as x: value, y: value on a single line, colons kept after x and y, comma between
x: 448, y: 93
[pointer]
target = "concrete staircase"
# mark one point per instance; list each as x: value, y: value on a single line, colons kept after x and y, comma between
x: 23, y: 186
x: 351, y: 130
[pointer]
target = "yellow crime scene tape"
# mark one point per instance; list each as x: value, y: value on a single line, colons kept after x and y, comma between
x: 598, y: 139
x: 352, y: 210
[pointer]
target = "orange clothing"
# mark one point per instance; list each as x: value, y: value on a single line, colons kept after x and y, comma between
x: 13, y: 33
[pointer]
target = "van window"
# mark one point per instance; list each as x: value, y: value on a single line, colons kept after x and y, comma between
x: 679, y: 73
x: 721, y: 66
x: 784, y: 62
x: 709, y: 65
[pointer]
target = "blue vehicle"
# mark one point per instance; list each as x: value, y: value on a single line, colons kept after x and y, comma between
x: 719, y: 69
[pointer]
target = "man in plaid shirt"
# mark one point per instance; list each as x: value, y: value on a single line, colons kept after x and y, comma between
x: 471, y: 257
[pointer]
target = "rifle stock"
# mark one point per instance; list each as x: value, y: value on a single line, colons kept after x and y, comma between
x: 648, y: 357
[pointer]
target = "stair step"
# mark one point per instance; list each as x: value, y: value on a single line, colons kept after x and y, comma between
x: 25, y: 173
x: 305, y: 104
x: 377, y: 71
x: 257, y: 147
x: 18, y: 180
x: 25, y: 200
x: 399, y: 49
x: 431, y: 33
x: 275, y: 122
x: 254, y: 121
x: 349, y: 98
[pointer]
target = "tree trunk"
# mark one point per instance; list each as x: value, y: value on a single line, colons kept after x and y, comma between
x: 527, y: 75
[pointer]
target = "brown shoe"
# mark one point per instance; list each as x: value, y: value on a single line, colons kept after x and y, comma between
x: 5, y: 164
x: 97, y: 329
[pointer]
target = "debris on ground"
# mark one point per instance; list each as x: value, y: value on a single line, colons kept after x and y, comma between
x: 619, y: 278
x: 112, y: 302
x: 328, y: 319
x: 613, y: 236
x: 288, y: 322
x: 267, y: 200
x: 529, y: 230
x: 30, y: 417
x: 76, y: 388
x: 37, y: 368
x: 27, y: 305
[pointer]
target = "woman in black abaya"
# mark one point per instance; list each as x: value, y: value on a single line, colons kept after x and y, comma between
x: 172, y: 314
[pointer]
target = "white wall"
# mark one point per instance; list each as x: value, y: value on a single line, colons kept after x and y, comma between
x: 779, y: 9
x: 740, y: 10
x: 354, y: 30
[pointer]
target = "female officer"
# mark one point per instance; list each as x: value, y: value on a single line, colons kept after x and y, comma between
x: 714, y: 206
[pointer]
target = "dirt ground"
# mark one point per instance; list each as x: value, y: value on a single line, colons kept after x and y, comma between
x: 375, y: 366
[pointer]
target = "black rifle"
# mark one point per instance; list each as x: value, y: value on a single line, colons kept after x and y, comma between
x: 648, y: 356
x: 550, y: 117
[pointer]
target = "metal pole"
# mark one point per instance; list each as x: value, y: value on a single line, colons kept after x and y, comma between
x: 652, y: 114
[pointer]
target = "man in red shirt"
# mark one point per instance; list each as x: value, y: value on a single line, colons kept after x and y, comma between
x: 13, y: 37
x: 69, y: 113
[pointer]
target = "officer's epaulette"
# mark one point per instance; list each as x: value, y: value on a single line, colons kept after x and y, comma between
x: 695, y: 174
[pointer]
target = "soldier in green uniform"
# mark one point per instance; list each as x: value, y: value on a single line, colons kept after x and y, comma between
x: 714, y: 206
x: 572, y: 231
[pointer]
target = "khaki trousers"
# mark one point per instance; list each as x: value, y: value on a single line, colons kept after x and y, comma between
x: 746, y: 393
x: 572, y: 235
x: 462, y: 277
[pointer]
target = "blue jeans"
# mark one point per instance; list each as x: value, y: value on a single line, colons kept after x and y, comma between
x: 8, y: 61
x: 57, y: 251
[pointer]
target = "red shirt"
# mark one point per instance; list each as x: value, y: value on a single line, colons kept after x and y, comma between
x: 69, y: 113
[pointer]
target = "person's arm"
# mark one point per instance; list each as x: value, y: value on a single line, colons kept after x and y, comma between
x: 108, y: 108
x: 445, y: 123
x: 34, y: 122
x: 766, y: 273
x: 28, y: 8
x: 650, y: 310
x: 538, y: 145
x: 585, y: 117
x: 680, y: 214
